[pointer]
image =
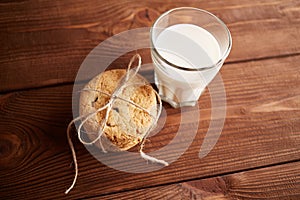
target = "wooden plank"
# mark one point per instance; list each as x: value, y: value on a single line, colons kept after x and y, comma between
x: 278, y: 182
x: 44, y: 42
x: 262, y: 128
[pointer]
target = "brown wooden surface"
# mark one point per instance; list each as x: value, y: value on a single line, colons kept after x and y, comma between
x: 53, y: 37
x: 257, y: 156
x: 281, y: 182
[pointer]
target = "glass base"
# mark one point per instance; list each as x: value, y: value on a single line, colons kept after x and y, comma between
x: 175, y: 104
x: 167, y: 94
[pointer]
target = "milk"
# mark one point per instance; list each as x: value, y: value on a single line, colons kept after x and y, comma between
x: 186, y: 46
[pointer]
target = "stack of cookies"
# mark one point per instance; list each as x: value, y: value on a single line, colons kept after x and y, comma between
x: 126, y: 124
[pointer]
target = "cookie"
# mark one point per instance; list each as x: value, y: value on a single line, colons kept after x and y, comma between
x: 126, y: 124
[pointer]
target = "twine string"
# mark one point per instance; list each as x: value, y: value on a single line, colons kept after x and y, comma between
x: 130, y: 73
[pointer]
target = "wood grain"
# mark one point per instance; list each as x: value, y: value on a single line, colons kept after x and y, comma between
x: 278, y: 182
x: 261, y: 128
x: 44, y: 42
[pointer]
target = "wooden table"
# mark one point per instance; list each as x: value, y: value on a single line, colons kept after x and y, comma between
x: 257, y: 156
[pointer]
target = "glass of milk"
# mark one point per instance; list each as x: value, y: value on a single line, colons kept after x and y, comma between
x: 189, y: 46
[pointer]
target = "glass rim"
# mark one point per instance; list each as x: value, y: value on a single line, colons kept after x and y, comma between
x: 222, y: 58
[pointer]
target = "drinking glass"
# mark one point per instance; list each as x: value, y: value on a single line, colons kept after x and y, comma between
x: 188, y: 48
